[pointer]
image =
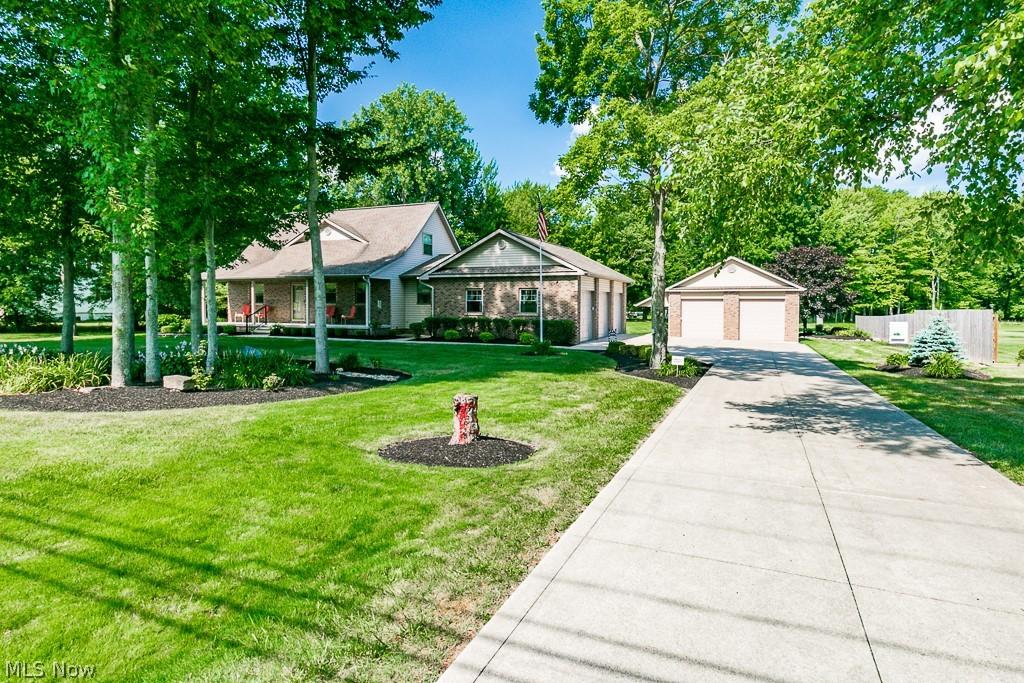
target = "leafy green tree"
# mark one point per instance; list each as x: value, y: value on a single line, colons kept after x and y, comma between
x: 441, y: 163
x: 319, y: 41
x: 621, y: 68
x: 44, y: 199
x: 893, y: 71
x: 520, y: 202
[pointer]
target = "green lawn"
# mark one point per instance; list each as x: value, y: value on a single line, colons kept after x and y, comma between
x: 638, y: 327
x: 1011, y: 341
x: 985, y: 417
x: 270, y: 543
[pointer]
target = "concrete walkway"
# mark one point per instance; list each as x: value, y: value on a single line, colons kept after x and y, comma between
x: 784, y: 523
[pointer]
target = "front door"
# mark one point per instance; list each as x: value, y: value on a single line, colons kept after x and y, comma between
x: 299, y: 303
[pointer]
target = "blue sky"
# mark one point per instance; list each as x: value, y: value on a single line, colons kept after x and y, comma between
x: 481, y: 54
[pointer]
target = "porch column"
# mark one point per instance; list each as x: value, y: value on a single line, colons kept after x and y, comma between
x: 369, y: 311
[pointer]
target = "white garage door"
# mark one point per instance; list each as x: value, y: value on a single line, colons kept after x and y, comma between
x: 702, y: 319
x: 762, y: 320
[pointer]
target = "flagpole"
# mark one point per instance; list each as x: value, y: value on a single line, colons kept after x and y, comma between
x: 540, y: 264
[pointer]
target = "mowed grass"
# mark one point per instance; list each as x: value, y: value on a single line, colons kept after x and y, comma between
x: 984, y: 417
x: 1011, y: 341
x: 638, y: 327
x: 270, y: 543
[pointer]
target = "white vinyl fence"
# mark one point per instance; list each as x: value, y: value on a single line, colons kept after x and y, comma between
x: 977, y: 329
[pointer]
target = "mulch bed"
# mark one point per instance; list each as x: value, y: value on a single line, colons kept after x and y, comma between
x: 919, y: 372
x: 634, y: 367
x: 485, y: 451
x: 144, y: 398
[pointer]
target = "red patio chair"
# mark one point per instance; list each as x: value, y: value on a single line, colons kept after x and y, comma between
x: 245, y: 312
x: 331, y: 311
x: 351, y: 315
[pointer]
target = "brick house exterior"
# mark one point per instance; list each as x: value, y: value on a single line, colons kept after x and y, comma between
x: 504, y: 263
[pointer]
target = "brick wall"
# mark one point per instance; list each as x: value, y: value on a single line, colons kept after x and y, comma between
x: 792, y: 317
x: 238, y: 296
x: 675, y: 314
x: 501, y: 297
x: 731, y: 316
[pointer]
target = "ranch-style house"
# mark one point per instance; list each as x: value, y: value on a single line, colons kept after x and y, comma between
x: 390, y: 266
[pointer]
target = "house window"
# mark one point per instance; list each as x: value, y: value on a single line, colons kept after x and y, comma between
x: 474, y: 301
x: 527, y: 300
x: 332, y: 293
x: 423, y: 294
x: 428, y: 244
x: 257, y: 294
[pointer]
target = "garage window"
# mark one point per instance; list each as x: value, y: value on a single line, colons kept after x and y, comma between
x: 474, y: 301
x: 527, y: 300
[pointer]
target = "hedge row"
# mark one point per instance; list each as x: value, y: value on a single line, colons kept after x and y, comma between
x: 561, y: 332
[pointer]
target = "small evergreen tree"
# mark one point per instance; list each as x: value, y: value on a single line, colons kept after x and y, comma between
x: 937, y: 337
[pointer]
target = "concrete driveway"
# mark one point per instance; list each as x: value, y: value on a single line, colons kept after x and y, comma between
x: 784, y: 523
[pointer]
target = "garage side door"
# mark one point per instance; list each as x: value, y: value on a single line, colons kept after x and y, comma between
x: 702, y: 319
x: 762, y: 320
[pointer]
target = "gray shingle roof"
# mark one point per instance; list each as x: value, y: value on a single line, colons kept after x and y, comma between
x: 388, y: 232
x: 574, y: 258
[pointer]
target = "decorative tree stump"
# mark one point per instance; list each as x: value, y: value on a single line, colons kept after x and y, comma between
x: 466, y: 427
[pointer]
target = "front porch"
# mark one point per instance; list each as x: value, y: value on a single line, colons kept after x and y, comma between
x: 353, y: 303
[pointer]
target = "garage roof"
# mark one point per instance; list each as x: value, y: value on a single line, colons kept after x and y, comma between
x: 734, y: 275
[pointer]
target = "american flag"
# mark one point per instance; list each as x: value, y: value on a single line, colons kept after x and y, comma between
x: 542, y: 224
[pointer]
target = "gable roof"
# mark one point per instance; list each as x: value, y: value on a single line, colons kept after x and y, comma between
x: 377, y: 235
x: 763, y: 280
x: 572, y: 260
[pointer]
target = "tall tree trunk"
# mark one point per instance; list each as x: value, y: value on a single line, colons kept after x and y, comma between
x: 133, y: 318
x: 659, y: 323
x: 322, y: 364
x: 120, y: 310
x: 195, y: 307
x: 211, y: 295
x: 152, y: 310
x: 120, y: 294
x: 68, y: 312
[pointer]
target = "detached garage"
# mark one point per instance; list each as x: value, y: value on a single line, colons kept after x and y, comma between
x: 734, y: 301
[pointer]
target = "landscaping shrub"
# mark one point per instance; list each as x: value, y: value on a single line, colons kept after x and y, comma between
x: 416, y: 329
x: 898, y: 360
x: 937, y: 337
x: 689, y: 368
x: 273, y: 383
x: 502, y: 327
x: 452, y: 335
x: 944, y: 365
x: 643, y: 352
x: 248, y: 368
x: 349, y: 362
x: 527, y: 338
x: 276, y: 330
x: 172, y: 323
x: 486, y: 337
x: 228, y: 329
x: 560, y: 332
x: 32, y: 370
x: 616, y: 348
x: 540, y: 348
x: 520, y: 325
x: 1020, y: 356
x: 851, y: 332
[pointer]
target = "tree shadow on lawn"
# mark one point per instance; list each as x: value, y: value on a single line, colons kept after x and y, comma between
x: 127, y: 576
